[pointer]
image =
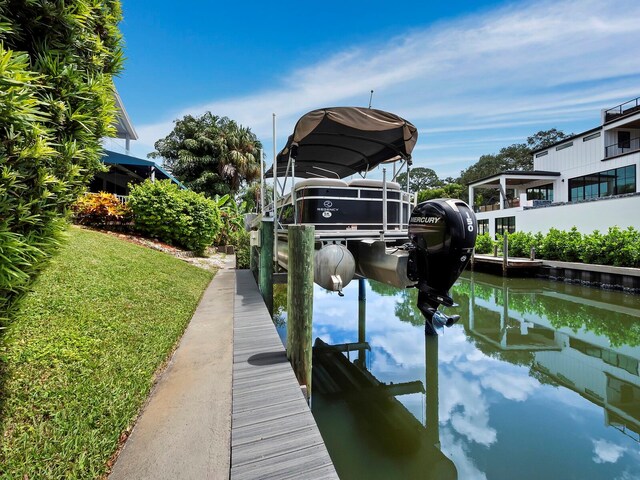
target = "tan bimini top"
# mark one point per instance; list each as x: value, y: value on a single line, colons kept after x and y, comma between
x: 341, y: 141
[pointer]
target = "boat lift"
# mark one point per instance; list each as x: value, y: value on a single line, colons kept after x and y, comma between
x: 367, y: 228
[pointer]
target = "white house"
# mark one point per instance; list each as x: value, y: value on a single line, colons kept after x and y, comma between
x: 589, y: 181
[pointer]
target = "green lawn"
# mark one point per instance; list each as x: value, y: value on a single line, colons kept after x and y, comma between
x: 79, y: 360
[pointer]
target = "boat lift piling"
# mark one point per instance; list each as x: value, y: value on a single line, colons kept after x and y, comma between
x: 301, y: 240
x: 265, y: 273
x: 362, y: 321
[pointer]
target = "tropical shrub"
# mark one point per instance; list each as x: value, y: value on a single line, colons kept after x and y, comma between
x: 102, y: 210
x: 561, y: 245
x: 242, y: 249
x: 616, y: 247
x: 520, y: 243
x: 57, y: 60
x: 232, y: 217
x: 484, y: 244
x: 179, y: 217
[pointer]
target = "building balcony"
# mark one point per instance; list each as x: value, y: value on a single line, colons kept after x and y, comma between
x: 511, y: 203
x: 622, y: 110
x: 622, y: 147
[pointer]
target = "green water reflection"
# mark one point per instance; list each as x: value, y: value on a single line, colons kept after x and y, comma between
x: 539, y: 380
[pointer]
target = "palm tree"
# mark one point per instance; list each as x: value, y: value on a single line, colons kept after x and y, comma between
x: 239, y: 152
x: 210, y: 154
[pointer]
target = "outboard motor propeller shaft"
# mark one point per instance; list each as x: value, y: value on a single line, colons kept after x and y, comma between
x: 443, y: 232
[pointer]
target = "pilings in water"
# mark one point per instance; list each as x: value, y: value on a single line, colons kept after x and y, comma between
x: 301, y: 239
x: 431, y: 382
x: 265, y: 271
x: 362, y: 320
x: 505, y: 254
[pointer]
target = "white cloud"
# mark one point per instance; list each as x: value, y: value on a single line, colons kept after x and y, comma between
x: 456, y: 450
x: 463, y: 404
x: 515, y: 386
x: 607, y: 452
x: 401, y: 346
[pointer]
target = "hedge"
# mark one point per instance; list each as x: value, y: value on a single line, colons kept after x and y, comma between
x: 179, y: 217
x: 617, y: 247
x: 57, y: 60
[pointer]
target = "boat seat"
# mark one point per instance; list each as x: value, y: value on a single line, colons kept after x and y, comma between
x: 320, y: 182
x: 370, y: 183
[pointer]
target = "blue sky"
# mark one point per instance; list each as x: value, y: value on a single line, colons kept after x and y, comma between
x: 473, y: 76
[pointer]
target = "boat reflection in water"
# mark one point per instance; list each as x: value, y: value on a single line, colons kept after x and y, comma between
x: 538, y: 380
x: 354, y: 408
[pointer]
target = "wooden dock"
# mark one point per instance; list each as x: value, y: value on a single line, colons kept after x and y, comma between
x: 273, y: 433
x: 509, y: 265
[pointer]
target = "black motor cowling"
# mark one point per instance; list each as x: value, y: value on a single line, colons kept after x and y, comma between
x: 443, y: 232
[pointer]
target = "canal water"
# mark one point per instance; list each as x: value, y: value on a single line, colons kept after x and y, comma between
x: 538, y: 380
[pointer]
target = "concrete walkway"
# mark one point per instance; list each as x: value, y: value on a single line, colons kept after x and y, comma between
x: 184, y: 431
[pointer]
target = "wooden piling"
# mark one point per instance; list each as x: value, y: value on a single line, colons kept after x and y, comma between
x: 431, y: 383
x: 362, y: 289
x: 362, y: 326
x: 265, y: 273
x: 505, y: 254
x: 253, y: 262
x: 300, y: 301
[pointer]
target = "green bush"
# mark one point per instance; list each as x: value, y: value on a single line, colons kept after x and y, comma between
x: 484, y: 244
x: 520, y: 243
x: 561, y: 245
x: 179, y: 217
x: 57, y: 60
x: 617, y: 247
x: 242, y: 249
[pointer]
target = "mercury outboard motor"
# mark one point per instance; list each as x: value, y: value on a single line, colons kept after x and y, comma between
x: 443, y: 233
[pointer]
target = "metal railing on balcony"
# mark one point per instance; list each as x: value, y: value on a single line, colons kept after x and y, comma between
x: 622, y: 109
x: 619, y: 148
x: 511, y: 203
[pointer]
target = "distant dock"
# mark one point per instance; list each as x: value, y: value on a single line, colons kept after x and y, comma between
x: 508, y: 265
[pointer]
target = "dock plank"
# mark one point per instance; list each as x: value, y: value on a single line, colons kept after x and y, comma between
x: 274, y: 434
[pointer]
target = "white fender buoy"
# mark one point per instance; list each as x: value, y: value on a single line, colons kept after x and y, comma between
x: 334, y: 267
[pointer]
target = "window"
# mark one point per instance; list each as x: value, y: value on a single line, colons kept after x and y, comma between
x: 591, y: 185
x: 483, y: 227
x: 603, y: 184
x: 566, y: 145
x: 543, y: 192
x: 624, y: 139
x: 542, y: 154
x: 505, y: 224
x: 626, y: 179
x: 591, y: 137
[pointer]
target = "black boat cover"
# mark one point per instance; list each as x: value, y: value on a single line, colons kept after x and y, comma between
x: 340, y: 141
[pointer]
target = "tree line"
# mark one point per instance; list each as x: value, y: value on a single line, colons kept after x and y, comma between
x: 518, y: 156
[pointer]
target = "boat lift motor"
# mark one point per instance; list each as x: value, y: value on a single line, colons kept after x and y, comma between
x: 443, y: 235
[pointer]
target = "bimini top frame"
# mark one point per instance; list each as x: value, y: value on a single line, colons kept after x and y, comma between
x: 341, y: 141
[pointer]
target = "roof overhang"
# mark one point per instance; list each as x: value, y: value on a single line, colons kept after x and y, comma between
x: 124, y: 127
x: 340, y: 141
x: 515, y: 178
x: 115, y: 158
